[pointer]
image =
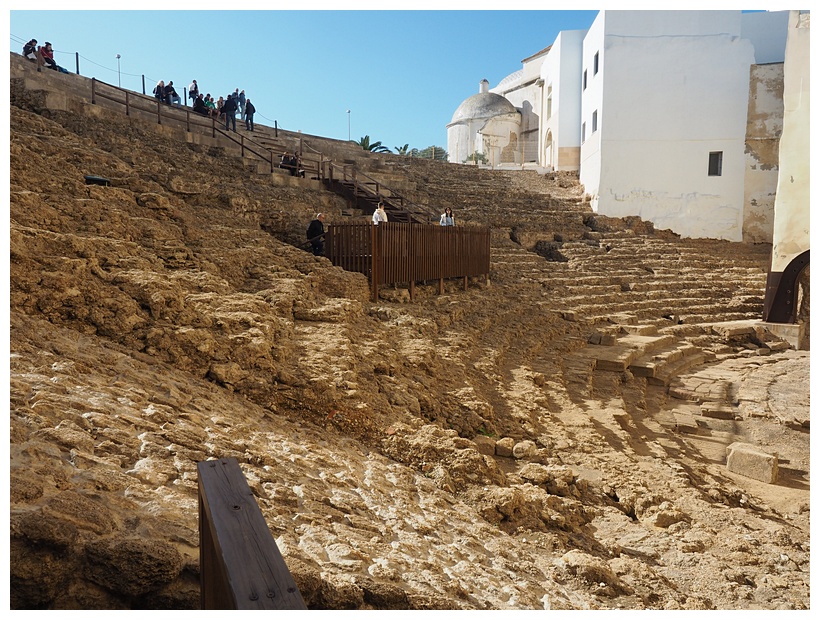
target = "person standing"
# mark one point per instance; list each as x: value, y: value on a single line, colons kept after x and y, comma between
x: 248, y: 113
x: 242, y: 101
x: 379, y: 215
x: 447, y: 218
x: 193, y: 90
x: 316, y: 234
x: 229, y: 109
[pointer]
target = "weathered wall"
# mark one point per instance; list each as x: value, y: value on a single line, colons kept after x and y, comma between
x: 764, y: 124
x: 672, y: 89
x: 791, y: 222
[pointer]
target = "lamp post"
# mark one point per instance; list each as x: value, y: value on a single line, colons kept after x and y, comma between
x: 118, y: 71
x: 348, y: 125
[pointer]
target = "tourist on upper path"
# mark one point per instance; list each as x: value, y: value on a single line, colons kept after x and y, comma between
x: 248, y: 113
x: 229, y: 108
x: 171, y: 96
x: 447, y: 218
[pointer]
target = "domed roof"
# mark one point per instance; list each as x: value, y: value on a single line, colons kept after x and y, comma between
x: 482, y: 105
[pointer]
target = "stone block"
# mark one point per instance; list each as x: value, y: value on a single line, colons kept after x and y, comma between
x: 721, y: 411
x: 504, y: 447
x: 485, y: 445
x: 752, y: 462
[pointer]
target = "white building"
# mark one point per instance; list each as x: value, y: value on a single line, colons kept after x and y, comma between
x: 652, y: 108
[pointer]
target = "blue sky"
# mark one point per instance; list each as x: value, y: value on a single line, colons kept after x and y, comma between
x: 401, y: 73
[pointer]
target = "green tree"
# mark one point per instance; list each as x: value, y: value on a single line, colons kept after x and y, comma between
x: 431, y: 152
x: 402, y: 150
x: 476, y: 157
x: 373, y: 147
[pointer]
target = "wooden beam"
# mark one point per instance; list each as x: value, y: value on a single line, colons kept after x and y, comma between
x: 240, y: 565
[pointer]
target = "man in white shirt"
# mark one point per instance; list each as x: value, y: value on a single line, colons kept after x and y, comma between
x: 379, y: 215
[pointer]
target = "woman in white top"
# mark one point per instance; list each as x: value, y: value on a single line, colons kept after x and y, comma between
x: 379, y: 215
x: 447, y: 218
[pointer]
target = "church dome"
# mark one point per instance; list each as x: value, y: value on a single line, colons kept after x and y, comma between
x: 483, y: 105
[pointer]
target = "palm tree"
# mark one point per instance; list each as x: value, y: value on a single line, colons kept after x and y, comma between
x: 402, y: 150
x: 375, y: 147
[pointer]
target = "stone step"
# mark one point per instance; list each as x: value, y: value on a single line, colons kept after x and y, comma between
x: 626, y: 349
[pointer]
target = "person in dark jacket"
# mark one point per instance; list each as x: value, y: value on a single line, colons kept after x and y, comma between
x: 171, y: 96
x: 200, y: 107
x: 249, y: 112
x: 229, y: 110
x: 242, y: 101
x: 316, y: 234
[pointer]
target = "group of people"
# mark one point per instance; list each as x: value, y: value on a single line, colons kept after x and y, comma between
x: 292, y: 163
x: 166, y: 93
x: 224, y: 108
x: 43, y: 55
x: 316, y: 229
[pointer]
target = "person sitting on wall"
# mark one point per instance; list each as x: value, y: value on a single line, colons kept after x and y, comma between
x: 200, y: 107
x: 46, y: 52
x: 159, y: 91
x: 286, y: 163
x: 171, y: 96
x: 30, y: 50
x: 316, y: 234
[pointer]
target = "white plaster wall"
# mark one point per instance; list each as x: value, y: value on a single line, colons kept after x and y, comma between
x: 664, y: 103
x: 763, y: 128
x: 791, y: 221
x: 592, y: 99
x: 562, y: 70
x: 767, y: 32
x: 459, y: 142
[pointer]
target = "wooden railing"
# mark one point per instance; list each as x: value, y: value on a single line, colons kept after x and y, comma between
x: 366, y: 185
x: 179, y: 116
x: 393, y: 253
x: 240, y: 565
x: 315, y: 164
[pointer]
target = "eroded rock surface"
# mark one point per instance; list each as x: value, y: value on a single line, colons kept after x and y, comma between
x: 457, y: 452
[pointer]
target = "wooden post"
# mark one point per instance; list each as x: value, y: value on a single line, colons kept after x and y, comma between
x: 240, y: 565
x: 374, y: 264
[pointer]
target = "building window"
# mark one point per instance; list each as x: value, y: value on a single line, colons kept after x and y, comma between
x: 715, y: 163
x: 595, y: 121
x: 585, y: 80
x: 595, y: 65
x: 583, y: 132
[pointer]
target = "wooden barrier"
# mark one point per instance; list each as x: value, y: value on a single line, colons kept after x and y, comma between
x: 240, y: 565
x: 393, y: 253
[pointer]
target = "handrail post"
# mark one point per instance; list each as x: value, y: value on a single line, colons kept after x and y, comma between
x: 275, y: 129
x: 93, y: 90
x: 127, y: 106
x: 188, y: 120
x: 77, y: 61
x: 159, y: 113
x: 374, y: 264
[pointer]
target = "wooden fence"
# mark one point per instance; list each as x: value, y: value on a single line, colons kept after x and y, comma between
x: 240, y: 565
x: 393, y: 253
